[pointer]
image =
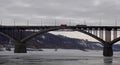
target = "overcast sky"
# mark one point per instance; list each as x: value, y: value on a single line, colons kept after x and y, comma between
x: 91, y: 12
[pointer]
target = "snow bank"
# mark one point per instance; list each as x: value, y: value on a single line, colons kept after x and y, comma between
x: 60, y: 52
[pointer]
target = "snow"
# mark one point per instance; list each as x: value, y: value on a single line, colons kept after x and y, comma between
x: 73, y: 34
x: 60, y: 57
x: 65, y: 52
x: 43, y: 36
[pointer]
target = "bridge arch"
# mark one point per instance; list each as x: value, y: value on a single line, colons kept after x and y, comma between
x: 39, y: 33
x: 53, y: 29
x: 9, y: 36
x: 19, y: 46
x: 115, y: 40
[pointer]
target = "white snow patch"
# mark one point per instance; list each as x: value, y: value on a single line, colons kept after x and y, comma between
x: 43, y: 36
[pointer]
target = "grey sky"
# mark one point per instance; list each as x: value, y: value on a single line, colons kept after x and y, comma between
x: 76, y: 11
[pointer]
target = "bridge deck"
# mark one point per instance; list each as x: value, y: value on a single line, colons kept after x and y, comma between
x: 38, y: 27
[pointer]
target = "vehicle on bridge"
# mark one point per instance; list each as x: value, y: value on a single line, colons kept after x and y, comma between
x: 81, y: 25
x: 63, y: 25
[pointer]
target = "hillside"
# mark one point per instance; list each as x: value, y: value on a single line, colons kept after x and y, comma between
x: 49, y: 40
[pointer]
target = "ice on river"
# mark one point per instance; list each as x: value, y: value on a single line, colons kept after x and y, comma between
x: 59, y: 57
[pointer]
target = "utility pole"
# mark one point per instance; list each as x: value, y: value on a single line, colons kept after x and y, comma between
x: 27, y: 22
x: 100, y: 22
x: 14, y: 22
x: 69, y: 22
x: 1, y: 22
x: 84, y: 22
x: 55, y: 22
x: 41, y: 21
x: 115, y: 22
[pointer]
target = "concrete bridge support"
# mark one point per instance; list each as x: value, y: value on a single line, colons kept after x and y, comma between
x: 96, y: 32
x: 101, y: 33
x: 89, y: 30
x: 107, y: 50
x: 20, y: 48
x: 114, y: 33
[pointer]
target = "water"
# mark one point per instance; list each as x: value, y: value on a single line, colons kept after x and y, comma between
x: 62, y: 57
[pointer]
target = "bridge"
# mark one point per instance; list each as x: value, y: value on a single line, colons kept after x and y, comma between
x: 104, y: 34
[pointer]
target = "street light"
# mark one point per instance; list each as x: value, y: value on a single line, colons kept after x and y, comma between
x: 14, y: 22
x: 1, y: 22
x: 27, y: 22
x: 55, y: 22
x: 115, y: 22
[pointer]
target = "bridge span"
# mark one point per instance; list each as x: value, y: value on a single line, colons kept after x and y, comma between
x: 108, y: 35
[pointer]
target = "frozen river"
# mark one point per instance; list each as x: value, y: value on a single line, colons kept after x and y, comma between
x: 61, y: 57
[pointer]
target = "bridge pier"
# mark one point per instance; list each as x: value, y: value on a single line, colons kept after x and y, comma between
x: 107, y: 50
x: 114, y: 33
x: 20, y: 48
x: 101, y: 33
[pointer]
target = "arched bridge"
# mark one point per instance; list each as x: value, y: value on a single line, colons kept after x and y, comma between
x: 108, y: 35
